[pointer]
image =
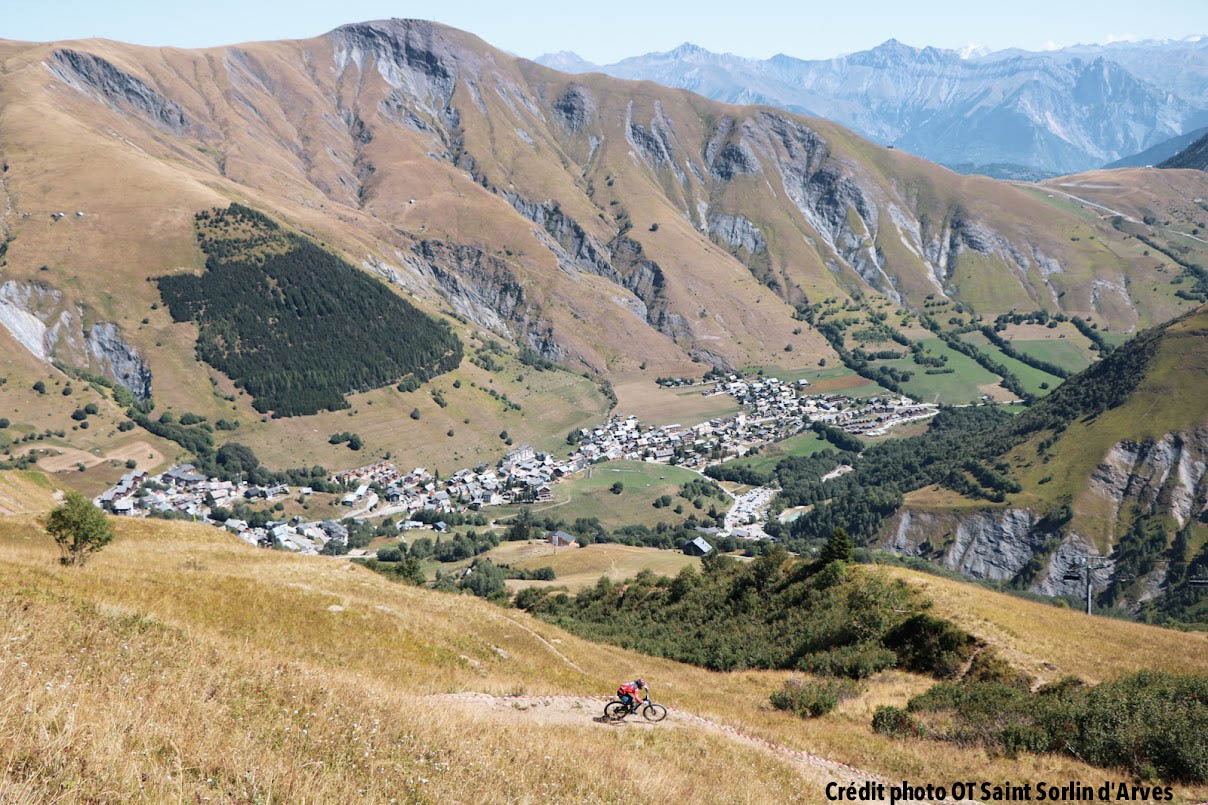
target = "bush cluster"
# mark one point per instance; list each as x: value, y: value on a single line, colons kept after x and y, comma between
x: 810, y: 699
x: 1151, y: 722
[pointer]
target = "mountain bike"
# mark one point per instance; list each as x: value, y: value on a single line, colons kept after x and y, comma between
x: 616, y: 710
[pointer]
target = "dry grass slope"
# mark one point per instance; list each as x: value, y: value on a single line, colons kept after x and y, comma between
x: 181, y: 664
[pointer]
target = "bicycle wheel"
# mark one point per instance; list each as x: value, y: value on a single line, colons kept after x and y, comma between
x: 615, y: 711
x: 654, y: 712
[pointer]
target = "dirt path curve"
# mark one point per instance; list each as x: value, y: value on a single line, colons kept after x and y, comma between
x: 585, y: 710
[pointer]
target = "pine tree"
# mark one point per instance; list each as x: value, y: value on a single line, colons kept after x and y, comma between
x: 838, y: 547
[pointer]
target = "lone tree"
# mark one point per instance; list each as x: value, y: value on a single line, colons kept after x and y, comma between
x: 79, y: 529
x: 838, y: 547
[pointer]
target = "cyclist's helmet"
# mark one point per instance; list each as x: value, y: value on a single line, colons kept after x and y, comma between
x: 641, y: 683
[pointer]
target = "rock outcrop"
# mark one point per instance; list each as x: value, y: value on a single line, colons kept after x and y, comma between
x: 1164, y: 478
x: 39, y: 318
x: 478, y: 286
x: 1001, y: 544
x: 95, y: 76
x: 118, y: 359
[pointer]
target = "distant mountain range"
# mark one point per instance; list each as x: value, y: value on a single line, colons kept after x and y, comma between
x: 1008, y: 113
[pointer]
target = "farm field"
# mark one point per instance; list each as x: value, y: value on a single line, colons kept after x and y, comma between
x: 838, y: 380
x: 577, y: 568
x: 588, y: 495
x: 655, y: 405
x: 967, y: 383
x: 1061, y: 352
x: 1031, y: 377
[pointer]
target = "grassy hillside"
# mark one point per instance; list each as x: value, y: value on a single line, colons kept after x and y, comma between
x: 25, y: 492
x: 154, y: 673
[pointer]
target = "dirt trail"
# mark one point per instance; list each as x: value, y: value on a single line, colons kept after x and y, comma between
x: 586, y: 711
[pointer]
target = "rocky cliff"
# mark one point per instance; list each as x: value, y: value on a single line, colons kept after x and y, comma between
x: 1135, y: 485
x: 41, y: 319
x: 1000, y: 544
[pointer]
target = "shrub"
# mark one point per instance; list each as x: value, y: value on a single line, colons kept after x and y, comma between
x: 1152, y: 721
x: 930, y: 645
x: 90, y: 409
x: 810, y: 699
x: 854, y: 662
x: 896, y: 723
x: 389, y: 555
x: 838, y: 547
x: 989, y: 666
x: 236, y: 458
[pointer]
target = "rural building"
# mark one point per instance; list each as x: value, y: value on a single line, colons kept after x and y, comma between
x: 560, y: 539
x: 697, y: 547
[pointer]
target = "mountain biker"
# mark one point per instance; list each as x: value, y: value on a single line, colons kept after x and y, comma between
x: 628, y: 693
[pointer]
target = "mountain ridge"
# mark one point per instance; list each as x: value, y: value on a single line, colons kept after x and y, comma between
x: 1097, y: 100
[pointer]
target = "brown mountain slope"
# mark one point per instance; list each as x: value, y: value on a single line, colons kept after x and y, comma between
x: 610, y: 225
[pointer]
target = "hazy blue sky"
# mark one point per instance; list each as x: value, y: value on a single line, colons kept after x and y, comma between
x: 606, y: 30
